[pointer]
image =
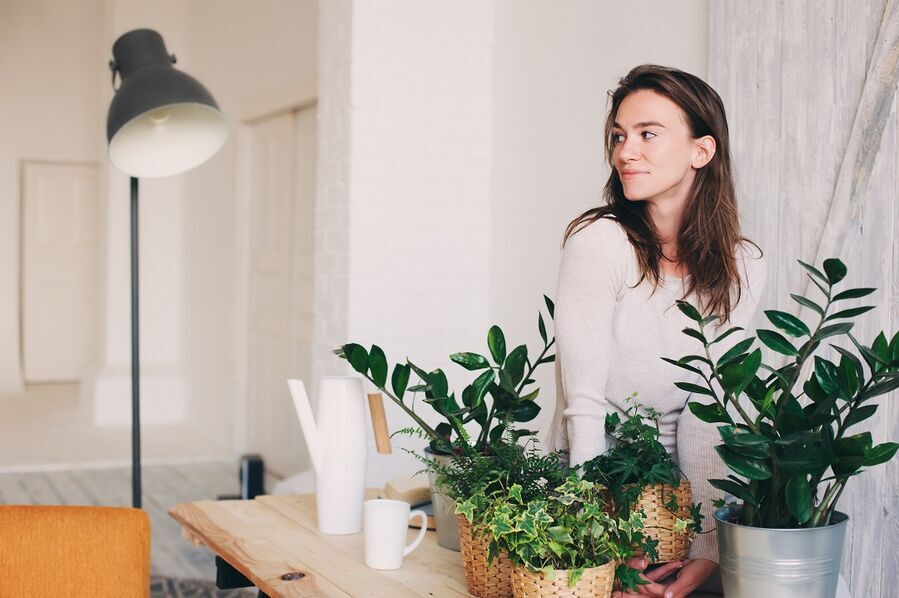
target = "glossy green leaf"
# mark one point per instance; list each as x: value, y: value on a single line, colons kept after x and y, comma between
x: 855, y: 361
x: 884, y: 386
x: 813, y: 271
x: 827, y: 375
x: 438, y: 383
x: 688, y: 310
x: 857, y: 445
x: 470, y: 361
x: 550, y: 306
x: 525, y: 411
x: 848, y: 377
x: 541, y: 326
x: 880, y: 454
x: 357, y: 356
x: 853, y: 294
x: 835, y: 270
x: 808, y: 303
x: 734, y: 352
x: 515, y: 362
x: 859, y: 414
x: 400, y: 379
x: 711, y: 414
x: 753, y: 469
x: 745, y: 443
x: 777, y: 342
x: 425, y: 377
x: 849, y: 313
x: 833, y: 330
x: 788, y: 323
x: 377, y: 364
x: 739, y: 490
x: 737, y: 376
x: 726, y: 334
x: 798, y: 439
x: 694, y: 388
x: 799, y: 498
x: 808, y: 460
x: 496, y: 341
x: 695, y: 334
x: 682, y: 365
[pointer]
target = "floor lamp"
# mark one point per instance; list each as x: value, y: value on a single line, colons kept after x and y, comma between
x: 161, y: 122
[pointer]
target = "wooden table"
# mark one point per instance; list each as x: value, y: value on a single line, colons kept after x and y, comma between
x: 271, y: 539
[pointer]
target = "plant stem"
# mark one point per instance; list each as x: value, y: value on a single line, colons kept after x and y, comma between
x: 736, y: 403
x: 418, y: 420
x: 834, y: 490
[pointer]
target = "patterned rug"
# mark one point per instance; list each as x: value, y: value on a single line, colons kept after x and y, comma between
x: 166, y: 587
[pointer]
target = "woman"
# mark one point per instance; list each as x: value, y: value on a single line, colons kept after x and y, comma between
x: 669, y: 230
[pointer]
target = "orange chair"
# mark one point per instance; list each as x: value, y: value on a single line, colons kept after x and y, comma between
x: 73, y: 552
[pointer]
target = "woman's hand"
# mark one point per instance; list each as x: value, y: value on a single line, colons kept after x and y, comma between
x: 690, y: 575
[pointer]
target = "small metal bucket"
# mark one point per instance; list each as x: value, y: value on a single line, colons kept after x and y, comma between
x: 779, y: 563
x: 445, y: 518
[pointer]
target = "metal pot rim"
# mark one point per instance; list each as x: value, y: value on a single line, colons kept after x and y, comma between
x: 721, y: 516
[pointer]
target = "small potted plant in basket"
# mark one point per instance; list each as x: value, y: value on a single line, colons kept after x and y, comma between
x: 563, y: 543
x: 641, y: 475
x: 472, y: 480
x: 785, y: 438
x: 499, y: 397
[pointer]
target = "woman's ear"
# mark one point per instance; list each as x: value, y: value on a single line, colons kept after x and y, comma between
x: 705, y: 151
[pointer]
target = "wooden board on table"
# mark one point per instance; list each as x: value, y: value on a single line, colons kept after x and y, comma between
x: 273, y: 536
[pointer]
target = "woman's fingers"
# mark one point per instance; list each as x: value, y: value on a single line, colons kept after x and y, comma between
x: 664, y: 570
x: 638, y: 562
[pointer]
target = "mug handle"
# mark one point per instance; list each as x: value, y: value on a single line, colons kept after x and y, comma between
x: 421, y: 532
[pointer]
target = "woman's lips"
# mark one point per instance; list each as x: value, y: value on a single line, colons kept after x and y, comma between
x: 631, y: 175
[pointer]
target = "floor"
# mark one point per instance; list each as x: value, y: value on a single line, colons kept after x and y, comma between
x: 163, y: 486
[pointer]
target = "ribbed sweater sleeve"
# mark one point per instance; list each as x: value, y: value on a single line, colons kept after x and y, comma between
x: 696, y: 440
x: 591, y: 274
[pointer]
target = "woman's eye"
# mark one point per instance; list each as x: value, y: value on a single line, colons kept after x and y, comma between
x: 617, y: 138
x: 648, y: 133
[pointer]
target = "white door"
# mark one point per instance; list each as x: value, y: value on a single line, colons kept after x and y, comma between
x: 60, y: 269
x: 281, y: 190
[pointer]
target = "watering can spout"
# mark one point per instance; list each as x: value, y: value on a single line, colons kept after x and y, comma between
x: 307, y: 423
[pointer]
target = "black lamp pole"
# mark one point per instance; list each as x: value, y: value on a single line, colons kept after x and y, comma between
x: 135, y: 356
x: 161, y: 122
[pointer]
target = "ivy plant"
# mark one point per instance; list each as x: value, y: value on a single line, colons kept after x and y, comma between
x: 564, y: 529
x: 638, y: 460
x: 499, y: 397
x: 783, y: 437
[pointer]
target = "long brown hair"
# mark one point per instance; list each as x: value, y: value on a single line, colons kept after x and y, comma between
x: 710, y: 226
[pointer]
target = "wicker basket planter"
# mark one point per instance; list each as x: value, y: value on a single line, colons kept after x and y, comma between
x: 596, y: 581
x: 673, y: 545
x: 484, y: 581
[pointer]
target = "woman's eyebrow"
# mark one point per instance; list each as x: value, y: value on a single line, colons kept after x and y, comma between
x: 645, y: 123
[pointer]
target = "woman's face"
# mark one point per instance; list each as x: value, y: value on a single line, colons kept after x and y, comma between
x: 654, y: 151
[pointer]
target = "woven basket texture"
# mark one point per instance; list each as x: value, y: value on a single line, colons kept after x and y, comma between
x: 659, y: 524
x: 597, y: 581
x: 484, y: 581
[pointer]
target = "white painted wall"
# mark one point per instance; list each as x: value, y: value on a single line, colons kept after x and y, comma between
x: 553, y: 65
x: 253, y: 57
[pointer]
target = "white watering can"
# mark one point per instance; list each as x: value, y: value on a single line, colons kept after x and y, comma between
x: 337, y: 446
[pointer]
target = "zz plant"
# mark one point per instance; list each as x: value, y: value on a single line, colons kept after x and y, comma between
x: 783, y: 437
x: 498, y: 397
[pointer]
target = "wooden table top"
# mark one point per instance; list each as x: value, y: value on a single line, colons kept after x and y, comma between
x: 271, y: 537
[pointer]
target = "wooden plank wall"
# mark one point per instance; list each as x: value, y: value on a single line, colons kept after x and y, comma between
x: 791, y: 73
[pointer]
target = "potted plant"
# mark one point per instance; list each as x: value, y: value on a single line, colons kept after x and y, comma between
x: 784, y: 438
x: 471, y: 481
x: 499, y: 397
x: 641, y: 475
x: 563, y: 543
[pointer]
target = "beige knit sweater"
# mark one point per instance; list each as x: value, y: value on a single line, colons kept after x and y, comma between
x: 610, y: 339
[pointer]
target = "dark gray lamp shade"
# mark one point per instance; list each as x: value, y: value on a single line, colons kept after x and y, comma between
x: 161, y: 121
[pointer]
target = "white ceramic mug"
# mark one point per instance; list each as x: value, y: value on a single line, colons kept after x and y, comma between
x: 386, y: 525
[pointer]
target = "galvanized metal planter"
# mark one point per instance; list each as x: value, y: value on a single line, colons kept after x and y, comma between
x: 445, y: 518
x: 779, y: 563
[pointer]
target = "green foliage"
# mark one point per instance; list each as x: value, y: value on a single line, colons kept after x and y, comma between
x: 637, y: 460
x: 497, y: 399
x: 798, y: 434
x: 564, y: 529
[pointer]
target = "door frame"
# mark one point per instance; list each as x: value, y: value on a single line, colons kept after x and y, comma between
x: 298, y: 98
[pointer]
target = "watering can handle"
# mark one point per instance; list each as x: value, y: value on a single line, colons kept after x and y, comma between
x: 379, y: 423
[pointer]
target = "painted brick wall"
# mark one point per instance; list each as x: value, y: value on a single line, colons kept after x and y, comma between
x: 404, y: 187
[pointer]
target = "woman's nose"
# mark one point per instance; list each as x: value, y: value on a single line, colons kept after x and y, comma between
x: 628, y: 150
